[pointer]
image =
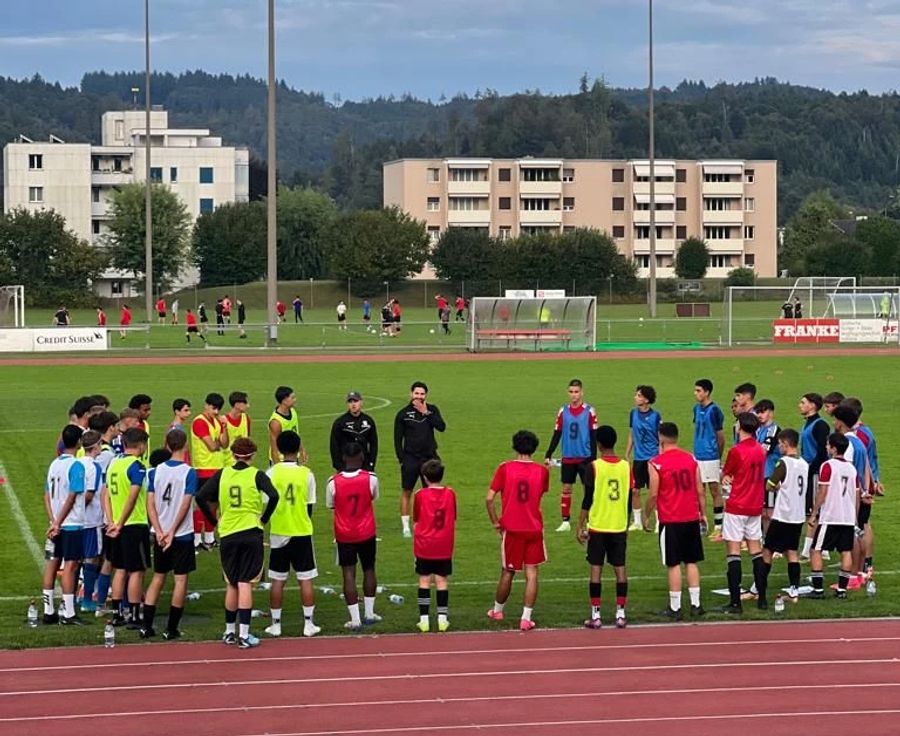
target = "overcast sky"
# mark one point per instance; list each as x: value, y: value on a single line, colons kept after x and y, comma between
x: 359, y: 48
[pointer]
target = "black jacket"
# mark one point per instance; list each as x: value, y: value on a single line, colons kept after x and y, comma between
x: 360, y: 429
x: 414, y: 432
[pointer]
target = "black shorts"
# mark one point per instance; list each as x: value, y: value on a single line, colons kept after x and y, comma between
x: 112, y: 552
x: 607, y: 546
x: 640, y: 471
x: 180, y: 558
x: 441, y: 568
x: 297, y: 553
x: 342, y: 318
x: 568, y: 472
x: 349, y: 552
x: 134, y: 547
x: 68, y: 545
x: 193, y: 329
x: 838, y: 537
x: 865, y: 512
x: 782, y: 536
x: 242, y: 556
x: 411, y: 472
x: 680, y: 542
x: 161, y: 315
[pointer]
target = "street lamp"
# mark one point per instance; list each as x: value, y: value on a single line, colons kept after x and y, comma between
x: 652, y: 157
x: 272, y: 188
x: 148, y: 205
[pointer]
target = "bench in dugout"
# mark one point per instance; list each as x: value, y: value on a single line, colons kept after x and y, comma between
x: 531, y: 324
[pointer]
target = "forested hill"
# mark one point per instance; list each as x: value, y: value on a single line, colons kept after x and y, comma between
x: 849, y: 144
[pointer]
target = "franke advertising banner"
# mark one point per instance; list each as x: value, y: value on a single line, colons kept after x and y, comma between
x: 834, y: 331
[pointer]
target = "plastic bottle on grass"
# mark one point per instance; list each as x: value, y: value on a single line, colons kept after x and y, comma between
x: 109, y: 635
x: 779, y: 604
x: 396, y: 599
x: 871, y: 588
x: 32, y: 614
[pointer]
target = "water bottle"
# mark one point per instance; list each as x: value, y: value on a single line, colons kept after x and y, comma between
x: 326, y: 590
x: 779, y: 604
x: 49, y: 549
x: 265, y: 586
x: 395, y: 599
x: 871, y: 589
x: 109, y: 635
x: 32, y: 614
x: 380, y: 589
x: 193, y: 596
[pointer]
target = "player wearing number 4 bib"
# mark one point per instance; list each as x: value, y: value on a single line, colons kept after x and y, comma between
x: 290, y: 533
x: 171, y: 488
x: 603, y: 523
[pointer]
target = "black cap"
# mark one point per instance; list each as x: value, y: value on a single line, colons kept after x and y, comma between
x: 354, y: 396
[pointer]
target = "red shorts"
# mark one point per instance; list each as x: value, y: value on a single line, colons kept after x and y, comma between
x: 522, y: 548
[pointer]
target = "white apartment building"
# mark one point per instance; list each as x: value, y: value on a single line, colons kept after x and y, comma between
x: 77, y: 179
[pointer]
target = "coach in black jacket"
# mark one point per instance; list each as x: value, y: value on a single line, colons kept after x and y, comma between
x: 354, y: 426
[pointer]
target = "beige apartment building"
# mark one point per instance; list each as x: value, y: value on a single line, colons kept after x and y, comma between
x: 732, y: 205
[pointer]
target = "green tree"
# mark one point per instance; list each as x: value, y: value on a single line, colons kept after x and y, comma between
x: 54, y: 266
x: 806, y: 229
x: 229, y: 244
x: 881, y: 235
x: 465, y: 254
x: 836, y: 254
x: 692, y: 259
x: 372, y: 246
x: 305, y: 219
x: 741, y: 277
x: 171, y: 232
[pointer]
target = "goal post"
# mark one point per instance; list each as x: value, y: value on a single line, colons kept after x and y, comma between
x: 12, y: 306
x: 532, y: 324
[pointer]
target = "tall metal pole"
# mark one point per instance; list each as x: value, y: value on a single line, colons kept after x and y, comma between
x: 148, y: 205
x: 272, y: 193
x: 652, y: 146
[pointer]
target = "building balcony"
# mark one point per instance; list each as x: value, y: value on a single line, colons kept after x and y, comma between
x: 723, y: 189
x: 662, y: 187
x: 729, y: 245
x: 100, y: 211
x: 470, y: 188
x: 111, y: 178
x: 547, y: 188
x: 540, y: 217
x: 480, y: 218
x: 661, y: 273
x: 723, y: 217
x: 663, y: 246
x: 663, y: 217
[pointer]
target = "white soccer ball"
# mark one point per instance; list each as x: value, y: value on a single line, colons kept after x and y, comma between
x: 431, y: 330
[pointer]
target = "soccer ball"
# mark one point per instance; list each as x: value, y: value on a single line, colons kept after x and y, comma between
x: 431, y: 331
x: 640, y: 319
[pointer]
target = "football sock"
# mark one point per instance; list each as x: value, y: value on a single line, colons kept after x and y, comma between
x: 694, y: 593
x: 843, y: 579
x: 595, y: 591
x: 135, y: 611
x: 90, y: 581
x: 353, y: 608
x: 209, y: 537
x: 174, y: 617
x: 794, y: 574
x: 230, y: 621
x: 760, y: 575
x: 369, y: 603
x: 276, y: 615
x: 498, y: 607
x: 198, y: 538
x: 637, y: 516
x: 308, y: 612
x: 68, y: 604
x: 443, y: 604
x: 404, y: 520
x: 243, y: 622
x: 103, y: 582
x: 621, y: 594
x: 526, y: 613
x: 807, y: 547
x: 424, y: 597
x: 149, y: 615
x: 718, y: 516
x: 675, y: 600
x: 734, y: 579
x: 49, y: 604
x: 565, y: 506
x: 818, y: 580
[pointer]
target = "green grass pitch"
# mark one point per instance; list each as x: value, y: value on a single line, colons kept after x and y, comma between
x: 483, y: 403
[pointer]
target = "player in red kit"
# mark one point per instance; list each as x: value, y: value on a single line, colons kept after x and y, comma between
x: 351, y: 493
x: 744, y: 471
x: 521, y: 484
x: 434, y: 515
x: 677, y: 494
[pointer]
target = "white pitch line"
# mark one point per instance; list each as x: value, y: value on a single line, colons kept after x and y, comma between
x: 446, y: 701
x: 381, y: 656
x: 408, y: 677
x: 37, y: 554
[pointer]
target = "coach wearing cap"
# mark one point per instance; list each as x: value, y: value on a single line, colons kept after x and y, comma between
x: 354, y: 426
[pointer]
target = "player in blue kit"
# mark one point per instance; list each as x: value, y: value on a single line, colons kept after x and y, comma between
x: 643, y: 446
x: 767, y: 436
x: 709, y: 441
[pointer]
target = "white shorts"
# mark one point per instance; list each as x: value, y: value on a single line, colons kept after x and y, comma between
x: 710, y: 471
x: 737, y: 528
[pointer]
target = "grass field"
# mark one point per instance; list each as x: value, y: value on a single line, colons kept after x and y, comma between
x: 483, y: 403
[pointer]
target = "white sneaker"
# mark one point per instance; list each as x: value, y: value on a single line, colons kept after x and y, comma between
x: 565, y: 526
x: 310, y: 629
x: 273, y: 629
x: 407, y: 534
x: 635, y: 527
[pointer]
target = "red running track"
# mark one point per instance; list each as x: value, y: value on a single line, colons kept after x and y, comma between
x: 833, y: 677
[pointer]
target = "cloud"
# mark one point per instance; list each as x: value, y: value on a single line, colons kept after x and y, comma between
x: 88, y: 37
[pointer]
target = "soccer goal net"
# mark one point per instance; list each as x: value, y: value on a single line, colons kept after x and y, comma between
x: 838, y: 311
x: 12, y: 306
x: 532, y: 324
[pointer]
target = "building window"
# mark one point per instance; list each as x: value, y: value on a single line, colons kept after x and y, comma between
x: 719, y: 261
x: 642, y: 232
x: 749, y: 232
x: 156, y: 174
x: 505, y: 231
x: 681, y: 204
x: 618, y: 232
x: 568, y: 203
x: 618, y: 175
x: 434, y: 234
x: 206, y: 175
x: 35, y: 161
x: 206, y: 205
x: 642, y: 261
x: 95, y: 227
x: 173, y: 174
x: 720, y: 178
x: 719, y: 204
x: 750, y: 176
x: 434, y: 204
x: 569, y: 175
x: 95, y: 195
x: 539, y: 205
x: 115, y: 288
x: 618, y: 204
x: 504, y: 203
x: 468, y: 175
x: 749, y: 204
x: 36, y: 194
x: 530, y: 174
x: 120, y: 131
x: 469, y: 203
x: 681, y: 175
x: 432, y: 175
x: 117, y: 164
x: 717, y: 232
x: 681, y: 232
x: 750, y: 259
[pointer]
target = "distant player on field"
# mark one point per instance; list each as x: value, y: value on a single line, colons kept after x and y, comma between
x: 161, y: 310
x: 521, y: 485
x: 603, y: 524
x: 434, y: 516
x: 576, y: 426
x: 643, y: 446
x: 709, y: 441
x: 190, y: 323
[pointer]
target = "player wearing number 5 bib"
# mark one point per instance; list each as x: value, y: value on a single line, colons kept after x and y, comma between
x: 351, y: 493
x: 521, y: 484
x: 238, y: 493
x: 290, y: 533
x: 603, y: 523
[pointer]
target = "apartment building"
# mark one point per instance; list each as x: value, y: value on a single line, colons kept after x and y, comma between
x: 732, y: 205
x: 78, y: 179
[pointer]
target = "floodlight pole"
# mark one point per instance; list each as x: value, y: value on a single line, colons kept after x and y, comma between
x: 148, y: 204
x: 652, y: 157
x: 272, y: 190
